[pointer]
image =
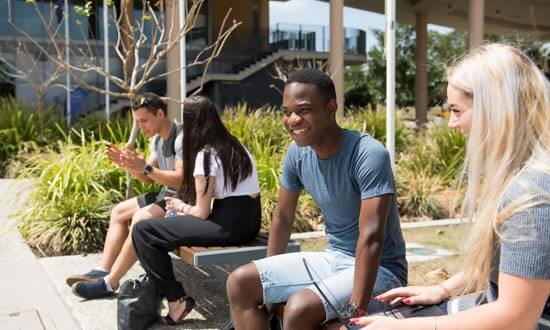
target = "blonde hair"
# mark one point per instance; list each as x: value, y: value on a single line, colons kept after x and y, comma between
x: 510, y: 131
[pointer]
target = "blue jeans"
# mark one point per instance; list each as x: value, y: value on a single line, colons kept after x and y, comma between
x: 284, y: 275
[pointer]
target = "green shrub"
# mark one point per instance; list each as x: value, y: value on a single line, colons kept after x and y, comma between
x: 116, y: 131
x: 373, y: 122
x: 416, y: 193
x: 76, y: 187
x: 437, y: 152
x: 23, y: 131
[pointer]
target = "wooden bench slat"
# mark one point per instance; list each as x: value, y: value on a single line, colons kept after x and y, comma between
x: 217, y: 255
x: 186, y: 254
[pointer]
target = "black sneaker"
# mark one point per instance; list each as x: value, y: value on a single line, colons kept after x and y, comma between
x: 91, y: 275
x: 91, y: 289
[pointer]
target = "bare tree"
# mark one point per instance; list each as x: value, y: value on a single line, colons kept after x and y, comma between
x: 282, y: 68
x: 140, y: 45
x: 32, y: 67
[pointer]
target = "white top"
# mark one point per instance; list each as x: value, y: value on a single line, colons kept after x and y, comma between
x: 248, y: 186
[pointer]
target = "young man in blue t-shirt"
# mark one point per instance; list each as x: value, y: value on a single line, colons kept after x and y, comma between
x: 349, y: 176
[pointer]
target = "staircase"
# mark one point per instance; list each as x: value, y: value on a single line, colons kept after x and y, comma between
x: 239, y: 72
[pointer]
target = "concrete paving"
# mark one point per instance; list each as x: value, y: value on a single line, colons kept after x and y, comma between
x: 29, y: 301
x: 206, y: 285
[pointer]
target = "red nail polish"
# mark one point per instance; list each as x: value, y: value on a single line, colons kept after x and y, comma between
x: 354, y: 320
x: 407, y: 301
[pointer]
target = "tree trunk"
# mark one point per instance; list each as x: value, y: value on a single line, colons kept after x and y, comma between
x: 40, y: 96
x: 127, y: 36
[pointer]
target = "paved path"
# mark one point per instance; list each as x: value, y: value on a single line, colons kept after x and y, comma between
x: 29, y: 300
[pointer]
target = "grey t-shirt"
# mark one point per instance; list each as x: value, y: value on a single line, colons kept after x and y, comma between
x: 360, y: 169
x: 525, y: 244
x: 524, y: 249
x: 168, y: 151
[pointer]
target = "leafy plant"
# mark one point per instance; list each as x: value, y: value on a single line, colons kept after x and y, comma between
x: 438, y: 152
x: 23, y: 131
x: 76, y: 187
x: 374, y: 122
x: 416, y: 193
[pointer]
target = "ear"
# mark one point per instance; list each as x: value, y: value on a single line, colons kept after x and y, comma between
x: 160, y: 113
x: 332, y: 107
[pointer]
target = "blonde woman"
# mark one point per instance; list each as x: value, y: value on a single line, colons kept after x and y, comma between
x: 501, y: 101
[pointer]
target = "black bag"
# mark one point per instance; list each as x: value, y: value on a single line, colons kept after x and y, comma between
x: 138, y: 304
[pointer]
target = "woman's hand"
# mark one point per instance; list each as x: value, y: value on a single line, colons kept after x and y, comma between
x: 174, y: 204
x: 415, y: 295
x: 379, y: 322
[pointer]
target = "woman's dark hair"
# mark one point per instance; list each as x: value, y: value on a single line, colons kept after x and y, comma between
x: 203, y: 129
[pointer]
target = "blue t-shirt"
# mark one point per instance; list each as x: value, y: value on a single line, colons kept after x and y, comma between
x: 360, y: 169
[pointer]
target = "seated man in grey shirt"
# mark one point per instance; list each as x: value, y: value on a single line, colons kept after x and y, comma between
x: 164, y: 166
x: 349, y: 176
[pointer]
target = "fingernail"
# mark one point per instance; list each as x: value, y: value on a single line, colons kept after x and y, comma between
x: 354, y: 320
x: 407, y: 301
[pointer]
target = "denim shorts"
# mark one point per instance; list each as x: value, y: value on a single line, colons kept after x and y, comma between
x: 284, y: 275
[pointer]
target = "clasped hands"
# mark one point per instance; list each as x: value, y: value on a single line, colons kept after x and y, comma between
x: 175, y: 204
x: 126, y: 158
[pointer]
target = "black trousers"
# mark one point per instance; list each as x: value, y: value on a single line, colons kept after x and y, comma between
x: 233, y: 220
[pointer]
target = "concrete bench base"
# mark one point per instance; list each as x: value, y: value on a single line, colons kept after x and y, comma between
x: 235, y: 255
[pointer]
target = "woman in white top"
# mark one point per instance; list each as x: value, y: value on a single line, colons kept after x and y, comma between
x: 219, y: 205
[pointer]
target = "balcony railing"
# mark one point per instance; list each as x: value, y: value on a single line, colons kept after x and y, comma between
x: 314, y: 38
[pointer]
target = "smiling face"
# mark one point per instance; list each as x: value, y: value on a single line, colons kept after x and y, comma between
x: 307, y: 113
x: 149, y: 123
x: 461, y: 110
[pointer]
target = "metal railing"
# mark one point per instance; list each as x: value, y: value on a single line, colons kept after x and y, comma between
x: 314, y: 38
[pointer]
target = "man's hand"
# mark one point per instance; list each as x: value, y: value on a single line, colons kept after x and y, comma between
x: 114, y: 154
x: 132, y: 161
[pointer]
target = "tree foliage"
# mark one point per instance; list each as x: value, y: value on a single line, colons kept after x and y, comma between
x: 366, y: 84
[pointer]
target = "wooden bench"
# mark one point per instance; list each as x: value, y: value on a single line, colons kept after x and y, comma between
x: 235, y: 255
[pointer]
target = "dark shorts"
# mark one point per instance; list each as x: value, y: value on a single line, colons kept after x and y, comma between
x: 156, y: 197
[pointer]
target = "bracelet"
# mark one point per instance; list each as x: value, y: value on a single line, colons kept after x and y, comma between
x: 434, y: 323
x: 445, y: 290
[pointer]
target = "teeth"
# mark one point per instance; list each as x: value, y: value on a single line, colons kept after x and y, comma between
x: 300, y: 131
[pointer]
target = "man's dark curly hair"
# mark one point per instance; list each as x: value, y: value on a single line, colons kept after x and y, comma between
x: 315, y: 77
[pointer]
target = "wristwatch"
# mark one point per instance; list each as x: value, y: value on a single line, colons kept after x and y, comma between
x: 148, y: 169
x: 351, y: 310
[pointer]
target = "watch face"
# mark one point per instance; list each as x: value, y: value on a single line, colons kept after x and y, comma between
x: 348, y: 311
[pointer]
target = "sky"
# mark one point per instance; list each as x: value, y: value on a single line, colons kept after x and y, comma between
x: 317, y: 13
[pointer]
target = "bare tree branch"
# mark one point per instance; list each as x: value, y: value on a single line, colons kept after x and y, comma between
x: 139, y: 52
